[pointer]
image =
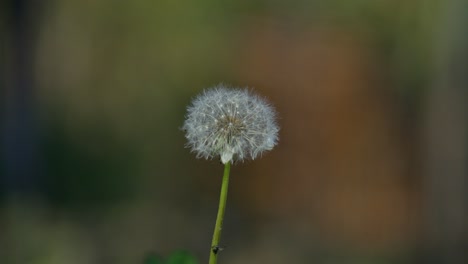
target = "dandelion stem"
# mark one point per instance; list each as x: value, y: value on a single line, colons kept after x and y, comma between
x: 214, y: 250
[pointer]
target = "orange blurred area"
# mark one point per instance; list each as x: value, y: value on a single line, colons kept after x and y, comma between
x: 371, y: 98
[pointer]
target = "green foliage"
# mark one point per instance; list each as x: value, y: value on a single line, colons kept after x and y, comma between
x: 153, y: 259
x: 177, y: 257
x: 181, y: 257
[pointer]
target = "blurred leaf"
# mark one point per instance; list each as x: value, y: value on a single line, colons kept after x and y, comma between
x: 177, y: 257
x: 181, y: 257
x: 153, y: 259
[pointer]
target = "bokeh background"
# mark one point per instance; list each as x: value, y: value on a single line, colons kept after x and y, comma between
x: 372, y: 102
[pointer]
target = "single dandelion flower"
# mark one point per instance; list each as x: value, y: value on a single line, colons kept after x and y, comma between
x: 234, y: 125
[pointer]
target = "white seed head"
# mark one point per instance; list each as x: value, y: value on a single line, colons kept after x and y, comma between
x: 233, y: 124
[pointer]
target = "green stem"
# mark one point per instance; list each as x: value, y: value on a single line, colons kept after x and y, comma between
x: 214, y: 250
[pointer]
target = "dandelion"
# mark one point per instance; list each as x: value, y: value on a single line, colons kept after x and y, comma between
x: 234, y: 125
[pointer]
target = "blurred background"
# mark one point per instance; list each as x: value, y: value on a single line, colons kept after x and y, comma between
x: 372, y: 100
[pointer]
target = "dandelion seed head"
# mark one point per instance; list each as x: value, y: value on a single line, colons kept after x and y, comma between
x: 233, y: 124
